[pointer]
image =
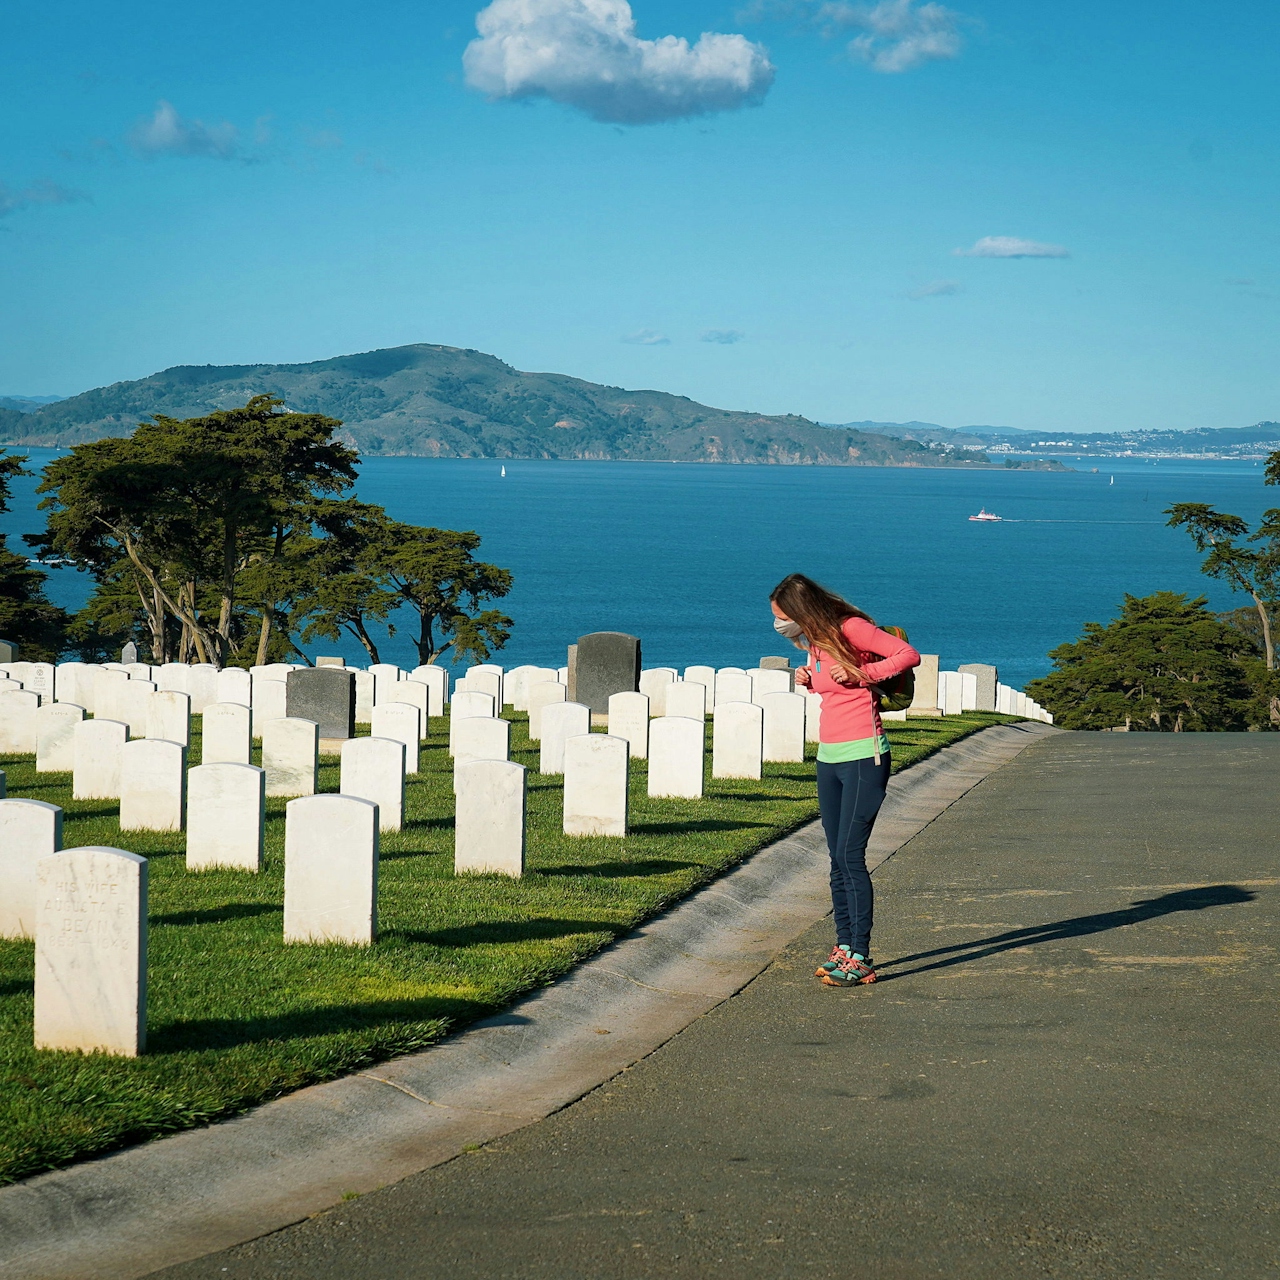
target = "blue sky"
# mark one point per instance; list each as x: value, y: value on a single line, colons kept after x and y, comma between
x: 767, y: 222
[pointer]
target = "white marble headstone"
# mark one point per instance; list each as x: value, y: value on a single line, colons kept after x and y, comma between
x: 385, y: 675
x: 373, y: 769
x: 29, y: 829
x: 732, y: 687
x: 291, y: 756
x: 235, y: 684
x: 653, y: 684
x: 18, y: 721
x: 225, y: 734
x: 560, y: 722
x: 596, y: 772
x: 70, y: 682
x: 676, y: 752
x: 153, y: 785
x: 269, y: 703
x: 226, y: 807
x: 629, y: 719
x: 437, y: 681
x: 169, y: 716
x: 489, y: 827
x: 56, y: 737
x: 543, y: 694
x: 479, y: 738
x: 467, y: 706
x: 133, y: 705
x: 91, y: 951
x: 737, y: 740
x: 202, y: 685
x: 401, y: 722
x: 703, y: 676
x: 783, y: 727
x: 416, y: 694
x: 766, y: 680
x: 687, y: 698
x: 331, y: 870
x: 96, y: 750
x: 364, y: 696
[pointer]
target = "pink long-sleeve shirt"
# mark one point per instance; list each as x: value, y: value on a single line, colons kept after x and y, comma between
x: 849, y: 712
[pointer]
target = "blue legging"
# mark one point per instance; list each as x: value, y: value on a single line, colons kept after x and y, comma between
x: 850, y: 795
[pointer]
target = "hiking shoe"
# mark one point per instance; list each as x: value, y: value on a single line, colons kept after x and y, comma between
x: 838, y: 953
x: 852, y: 971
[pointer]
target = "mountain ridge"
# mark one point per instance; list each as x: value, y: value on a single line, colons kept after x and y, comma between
x: 437, y: 401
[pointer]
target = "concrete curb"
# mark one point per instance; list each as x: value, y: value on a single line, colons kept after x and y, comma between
x: 150, y: 1206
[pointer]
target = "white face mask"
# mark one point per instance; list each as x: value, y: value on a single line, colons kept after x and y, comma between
x: 785, y: 627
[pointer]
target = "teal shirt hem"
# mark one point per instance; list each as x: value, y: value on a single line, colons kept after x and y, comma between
x: 862, y: 749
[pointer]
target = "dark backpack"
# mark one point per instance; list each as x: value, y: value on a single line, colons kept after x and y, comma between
x: 898, y: 693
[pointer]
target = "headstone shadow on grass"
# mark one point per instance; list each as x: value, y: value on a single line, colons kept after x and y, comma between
x: 499, y: 932
x: 621, y: 870
x: 694, y: 824
x: 201, y: 1034
x: 219, y: 915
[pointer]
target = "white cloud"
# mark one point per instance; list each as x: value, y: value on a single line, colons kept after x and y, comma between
x: 935, y: 289
x: 1012, y: 247
x: 725, y: 337
x: 42, y: 192
x: 586, y: 54
x: 647, y: 338
x: 166, y: 133
x: 897, y: 34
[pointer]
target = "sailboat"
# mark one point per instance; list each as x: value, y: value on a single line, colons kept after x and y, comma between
x: 504, y: 471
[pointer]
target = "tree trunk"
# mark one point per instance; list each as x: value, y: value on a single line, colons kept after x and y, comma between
x: 228, y: 593
x: 160, y: 641
x: 426, y: 643
x: 264, y: 637
x: 154, y: 609
x: 357, y: 629
x: 288, y: 639
x: 1266, y: 633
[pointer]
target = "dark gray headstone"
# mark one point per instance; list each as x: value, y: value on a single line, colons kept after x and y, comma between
x: 775, y: 664
x: 129, y: 653
x: 326, y: 695
x: 608, y: 662
x: 8, y: 651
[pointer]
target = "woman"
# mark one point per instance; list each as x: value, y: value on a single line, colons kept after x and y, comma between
x: 848, y: 656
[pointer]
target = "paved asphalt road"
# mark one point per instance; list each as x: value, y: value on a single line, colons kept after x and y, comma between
x: 1069, y: 1069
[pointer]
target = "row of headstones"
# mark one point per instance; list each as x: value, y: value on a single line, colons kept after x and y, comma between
x: 113, y: 689
x: 974, y: 686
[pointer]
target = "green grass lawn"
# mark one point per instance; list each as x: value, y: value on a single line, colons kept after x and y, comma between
x: 236, y: 1018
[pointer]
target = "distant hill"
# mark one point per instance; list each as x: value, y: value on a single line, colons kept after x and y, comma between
x: 26, y: 404
x: 446, y: 402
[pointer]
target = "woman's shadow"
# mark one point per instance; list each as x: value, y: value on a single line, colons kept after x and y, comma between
x: 1214, y: 895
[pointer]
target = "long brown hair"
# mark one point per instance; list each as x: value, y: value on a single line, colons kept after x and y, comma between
x: 820, y: 614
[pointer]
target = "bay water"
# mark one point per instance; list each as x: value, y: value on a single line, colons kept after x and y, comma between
x: 684, y: 555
